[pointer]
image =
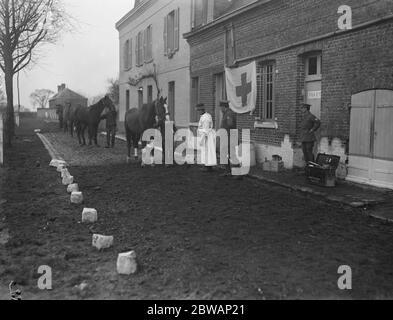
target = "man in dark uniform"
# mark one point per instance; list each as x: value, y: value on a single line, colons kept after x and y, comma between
x: 308, y: 127
x: 110, y: 118
x: 228, y: 123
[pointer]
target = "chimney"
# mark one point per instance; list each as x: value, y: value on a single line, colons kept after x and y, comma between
x: 61, y: 87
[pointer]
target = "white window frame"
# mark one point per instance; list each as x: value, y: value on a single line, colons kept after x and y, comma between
x: 262, y: 78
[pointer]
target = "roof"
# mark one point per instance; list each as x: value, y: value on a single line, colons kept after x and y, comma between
x: 67, y: 94
x: 139, y: 8
x: 238, y: 7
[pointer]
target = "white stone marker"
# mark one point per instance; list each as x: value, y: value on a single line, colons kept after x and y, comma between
x: 61, y: 167
x: 73, y: 188
x: 89, y: 215
x: 55, y: 163
x: 102, y: 242
x: 126, y: 263
x: 65, y: 173
x: 76, y: 197
x: 68, y: 180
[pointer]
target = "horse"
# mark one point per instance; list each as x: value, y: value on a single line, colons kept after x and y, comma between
x: 90, y: 118
x: 71, y: 116
x: 137, y: 121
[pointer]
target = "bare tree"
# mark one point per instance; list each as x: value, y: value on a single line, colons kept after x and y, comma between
x: 147, y: 75
x: 114, y: 90
x: 2, y: 96
x: 24, y: 26
x: 40, y: 98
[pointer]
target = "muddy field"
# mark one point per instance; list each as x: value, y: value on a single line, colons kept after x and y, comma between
x: 197, y: 235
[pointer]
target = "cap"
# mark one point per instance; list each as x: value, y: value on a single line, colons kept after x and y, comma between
x: 200, y: 106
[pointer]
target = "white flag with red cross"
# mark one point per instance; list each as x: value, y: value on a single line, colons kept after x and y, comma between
x: 242, y: 88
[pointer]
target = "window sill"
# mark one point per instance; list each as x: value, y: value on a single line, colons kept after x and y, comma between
x: 170, y: 54
x: 265, y: 125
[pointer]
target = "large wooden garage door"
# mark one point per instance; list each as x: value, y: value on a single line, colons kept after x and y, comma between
x: 383, y: 130
x: 371, y: 138
x: 361, y: 115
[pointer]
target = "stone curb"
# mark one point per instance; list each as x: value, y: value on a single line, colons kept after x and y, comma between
x: 336, y: 199
x: 48, y: 146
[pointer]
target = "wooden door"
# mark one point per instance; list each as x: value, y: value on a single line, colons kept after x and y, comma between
x: 371, y: 138
x: 171, y: 99
x: 383, y: 126
x: 219, y: 95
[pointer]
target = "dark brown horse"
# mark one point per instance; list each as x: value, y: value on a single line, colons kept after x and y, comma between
x: 137, y: 121
x: 90, y: 118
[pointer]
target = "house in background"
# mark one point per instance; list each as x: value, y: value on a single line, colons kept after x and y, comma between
x: 62, y: 97
x: 65, y: 95
x: 303, y: 56
x: 155, y: 56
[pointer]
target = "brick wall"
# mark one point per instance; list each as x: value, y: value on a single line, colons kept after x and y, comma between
x: 351, y: 61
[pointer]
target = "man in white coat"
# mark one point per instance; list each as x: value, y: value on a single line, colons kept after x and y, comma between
x: 207, y: 136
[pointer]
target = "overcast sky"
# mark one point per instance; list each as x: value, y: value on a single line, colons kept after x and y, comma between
x: 83, y: 60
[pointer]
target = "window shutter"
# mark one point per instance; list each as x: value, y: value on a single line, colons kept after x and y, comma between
x: 140, y: 48
x: 130, y: 54
x: 136, y: 51
x: 151, y: 42
x: 192, y: 14
x: 165, y: 35
x: 125, y: 56
x: 145, y: 51
x: 176, y: 32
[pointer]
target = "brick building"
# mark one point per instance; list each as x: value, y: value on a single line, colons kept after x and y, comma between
x: 303, y: 56
x: 65, y: 95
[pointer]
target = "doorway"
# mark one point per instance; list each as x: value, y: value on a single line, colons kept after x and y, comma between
x: 171, y: 99
x: 140, y: 98
x: 313, y: 83
x: 219, y: 95
x: 371, y: 136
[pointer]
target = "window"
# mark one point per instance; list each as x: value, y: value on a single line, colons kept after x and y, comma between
x: 265, y: 84
x: 194, y: 99
x: 139, y: 49
x: 314, y: 67
x: 126, y: 55
x: 140, y: 98
x: 223, y: 7
x: 171, y: 99
x: 171, y: 33
x: 199, y: 14
x: 149, y: 94
x: 130, y: 54
x: 127, y: 100
x: 147, y: 44
x: 229, y: 46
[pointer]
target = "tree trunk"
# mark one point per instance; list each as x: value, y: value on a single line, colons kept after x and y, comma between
x: 10, y: 119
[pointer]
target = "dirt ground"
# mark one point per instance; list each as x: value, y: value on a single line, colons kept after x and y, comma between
x: 196, y: 235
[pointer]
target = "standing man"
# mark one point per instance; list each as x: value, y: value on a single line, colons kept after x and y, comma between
x: 110, y: 126
x: 308, y: 127
x: 228, y: 123
x: 207, y: 135
x: 59, y: 112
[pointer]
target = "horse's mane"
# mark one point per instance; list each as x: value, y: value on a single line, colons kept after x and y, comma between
x: 97, y: 105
